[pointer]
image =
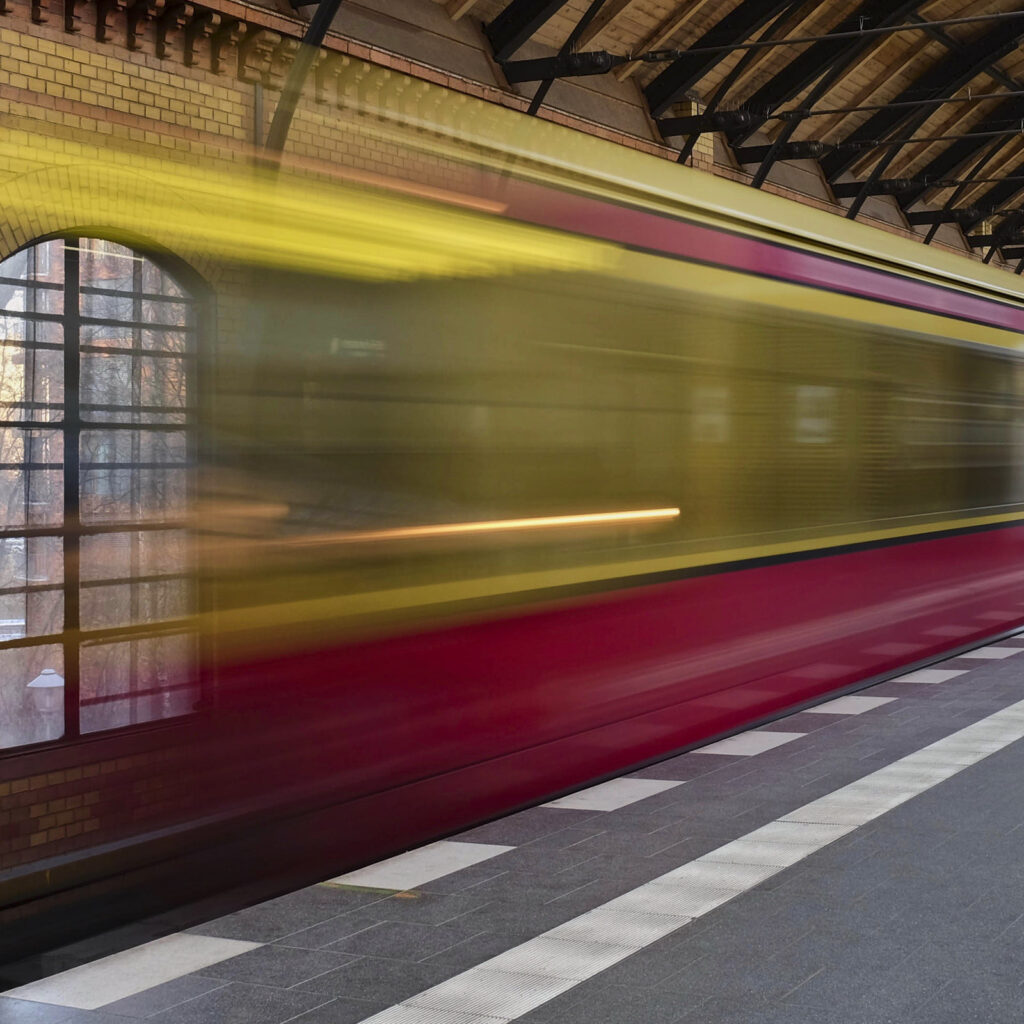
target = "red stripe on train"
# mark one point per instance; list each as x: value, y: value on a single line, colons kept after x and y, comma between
x: 678, y: 238
x: 486, y: 716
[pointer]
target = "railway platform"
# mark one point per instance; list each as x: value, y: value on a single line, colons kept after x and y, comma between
x: 859, y: 860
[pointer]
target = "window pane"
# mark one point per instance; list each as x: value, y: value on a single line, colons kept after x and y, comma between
x: 167, y: 341
x: 110, y: 306
x: 31, y: 714
x: 106, y: 264
x: 163, y: 382
x: 133, y: 495
x: 31, y: 613
x: 135, y: 604
x: 27, y: 444
x: 174, y: 314
x: 136, y: 681
x: 31, y: 382
x: 116, y: 382
x: 104, y: 446
x: 30, y: 298
x: 107, y: 336
x: 106, y: 379
x: 30, y: 561
x: 113, y: 556
x: 41, y: 262
x: 31, y: 498
x: 159, y: 282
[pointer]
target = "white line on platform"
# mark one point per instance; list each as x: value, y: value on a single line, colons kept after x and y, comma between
x: 992, y: 653
x: 747, y: 744
x: 610, y: 796
x: 930, y: 675
x: 126, y: 974
x: 417, y: 867
x: 849, y: 705
x: 529, y: 975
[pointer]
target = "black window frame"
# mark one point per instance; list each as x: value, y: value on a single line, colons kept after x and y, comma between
x: 72, y: 638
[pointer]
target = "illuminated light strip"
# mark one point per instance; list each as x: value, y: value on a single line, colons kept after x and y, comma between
x: 485, y: 526
x: 103, y: 252
x: 260, y: 620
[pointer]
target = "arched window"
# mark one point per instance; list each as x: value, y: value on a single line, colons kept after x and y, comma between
x: 97, y: 427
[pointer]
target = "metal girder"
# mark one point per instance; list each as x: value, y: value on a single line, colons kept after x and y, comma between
x: 1010, y: 236
x: 684, y: 72
x: 881, y: 187
x: 808, y: 66
x: 297, y: 75
x: 944, y: 164
x: 517, y: 22
x: 999, y: 195
x: 790, y: 151
x: 943, y: 78
x: 568, y: 47
x: 950, y: 216
x: 568, y: 65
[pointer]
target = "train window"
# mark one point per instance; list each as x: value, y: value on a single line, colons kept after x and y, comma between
x: 814, y: 414
x: 711, y: 415
x: 97, y: 352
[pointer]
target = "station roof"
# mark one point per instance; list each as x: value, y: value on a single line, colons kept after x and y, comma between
x: 919, y: 101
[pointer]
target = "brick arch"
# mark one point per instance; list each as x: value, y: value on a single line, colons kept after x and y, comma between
x: 100, y: 200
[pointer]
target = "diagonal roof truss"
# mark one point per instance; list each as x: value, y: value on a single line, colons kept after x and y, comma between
x: 920, y: 101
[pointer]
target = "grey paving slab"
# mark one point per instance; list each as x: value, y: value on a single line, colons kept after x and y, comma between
x: 407, y: 940
x: 426, y: 907
x: 277, y: 966
x: 340, y: 1011
x: 103, y: 1016
x: 375, y: 979
x: 286, y: 914
x: 163, y: 997
x: 531, y: 886
x: 23, y: 1011
x: 241, y: 1004
x: 319, y: 936
x: 528, y: 825
x: 619, y: 1004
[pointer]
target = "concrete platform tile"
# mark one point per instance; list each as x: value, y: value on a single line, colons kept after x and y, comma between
x: 126, y: 974
x: 492, y: 993
x: 994, y: 653
x: 241, y: 1004
x: 749, y: 744
x: 425, y: 1015
x: 408, y: 870
x: 560, y: 957
x: 21, y: 1011
x: 618, y: 928
x: 849, y: 705
x: 610, y: 796
x: 930, y: 675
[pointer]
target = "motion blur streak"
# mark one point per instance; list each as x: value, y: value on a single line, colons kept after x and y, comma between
x: 492, y: 526
x: 303, y: 478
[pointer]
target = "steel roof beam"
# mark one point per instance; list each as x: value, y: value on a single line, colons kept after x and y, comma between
x: 517, y: 22
x: 953, y: 157
x: 943, y: 78
x: 999, y: 195
x: 949, y: 216
x: 808, y: 66
x: 688, y: 69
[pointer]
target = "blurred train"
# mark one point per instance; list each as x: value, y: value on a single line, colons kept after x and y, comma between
x: 357, y: 517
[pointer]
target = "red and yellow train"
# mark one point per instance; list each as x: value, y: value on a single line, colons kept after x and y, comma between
x: 348, y: 517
